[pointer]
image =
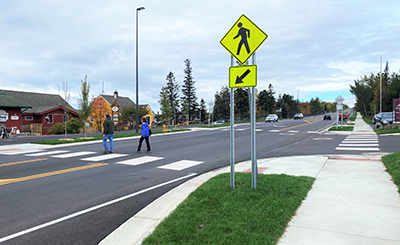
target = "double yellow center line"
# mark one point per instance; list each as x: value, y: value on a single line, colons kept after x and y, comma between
x: 37, y: 176
x: 308, y: 122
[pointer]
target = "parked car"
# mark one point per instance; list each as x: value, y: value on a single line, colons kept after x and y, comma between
x: 386, y: 118
x: 327, y: 117
x: 271, y: 118
x: 376, y: 118
x: 298, y: 116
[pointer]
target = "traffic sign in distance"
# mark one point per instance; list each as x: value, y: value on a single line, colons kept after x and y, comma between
x: 243, y: 39
x: 243, y: 76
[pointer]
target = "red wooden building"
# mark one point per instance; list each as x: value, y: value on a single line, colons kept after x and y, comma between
x: 33, y: 113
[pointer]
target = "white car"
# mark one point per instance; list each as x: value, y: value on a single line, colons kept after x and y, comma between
x: 271, y: 118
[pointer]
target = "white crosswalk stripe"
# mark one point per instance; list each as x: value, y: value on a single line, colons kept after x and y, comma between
x: 180, y: 165
x: 45, y: 153
x: 20, y: 152
x: 140, y: 160
x: 74, y: 154
x: 104, y: 157
x: 359, y: 143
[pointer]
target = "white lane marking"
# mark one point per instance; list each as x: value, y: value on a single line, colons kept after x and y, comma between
x: 45, y: 153
x: 312, y: 132
x: 360, y: 141
x: 322, y: 138
x: 274, y: 131
x: 3, y: 239
x: 359, y: 145
x: 259, y: 130
x: 104, y: 157
x: 180, y: 165
x: 140, y: 160
x: 74, y: 154
x: 357, y: 138
x: 20, y: 152
x: 356, y: 149
x: 241, y: 129
x: 293, y: 131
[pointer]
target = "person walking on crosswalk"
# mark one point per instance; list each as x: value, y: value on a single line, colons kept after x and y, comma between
x: 108, y: 134
x: 145, y: 135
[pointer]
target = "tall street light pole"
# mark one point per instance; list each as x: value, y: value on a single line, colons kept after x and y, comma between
x: 137, y: 68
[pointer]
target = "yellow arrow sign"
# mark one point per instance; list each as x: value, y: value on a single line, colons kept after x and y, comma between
x: 243, y: 39
x: 243, y: 76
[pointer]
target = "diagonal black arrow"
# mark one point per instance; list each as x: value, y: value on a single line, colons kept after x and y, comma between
x: 240, y: 79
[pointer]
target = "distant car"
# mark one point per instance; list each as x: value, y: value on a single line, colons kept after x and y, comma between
x: 298, y: 116
x: 219, y: 122
x: 327, y: 117
x: 271, y: 118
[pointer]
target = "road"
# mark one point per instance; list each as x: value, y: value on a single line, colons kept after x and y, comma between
x: 54, y: 197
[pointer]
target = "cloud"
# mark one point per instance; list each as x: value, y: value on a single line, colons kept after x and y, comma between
x: 313, y: 46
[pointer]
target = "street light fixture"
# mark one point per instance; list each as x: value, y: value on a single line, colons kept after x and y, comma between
x: 137, y: 65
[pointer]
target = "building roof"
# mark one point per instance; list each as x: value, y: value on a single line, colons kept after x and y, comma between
x: 36, y: 102
x: 123, y: 102
x: 7, y: 101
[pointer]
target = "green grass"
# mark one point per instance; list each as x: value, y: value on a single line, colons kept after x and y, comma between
x: 353, y: 117
x: 98, y: 137
x: 387, y: 130
x: 216, y: 126
x: 345, y: 128
x: 392, y: 164
x: 216, y: 214
x: 367, y: 121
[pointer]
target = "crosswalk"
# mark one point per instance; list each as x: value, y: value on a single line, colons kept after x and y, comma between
x: 125, y: 159
x: 359, y: 143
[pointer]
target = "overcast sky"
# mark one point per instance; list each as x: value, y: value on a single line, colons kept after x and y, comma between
x: 315, y: 48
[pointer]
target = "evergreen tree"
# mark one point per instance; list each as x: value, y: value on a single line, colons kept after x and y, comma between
x: 189, y: 99
x: 172, y: 90
x: 203, y: 110
x: 241, y: 102
x: 266, y: 100
x: 222, y: 104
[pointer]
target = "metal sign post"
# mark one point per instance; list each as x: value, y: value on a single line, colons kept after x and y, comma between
x: 242, y: 41
x: 232, y: 134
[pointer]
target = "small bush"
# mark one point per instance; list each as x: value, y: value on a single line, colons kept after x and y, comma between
x: 73, y: 127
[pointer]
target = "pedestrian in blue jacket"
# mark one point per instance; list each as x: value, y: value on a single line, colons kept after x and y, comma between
x: 145, y: 135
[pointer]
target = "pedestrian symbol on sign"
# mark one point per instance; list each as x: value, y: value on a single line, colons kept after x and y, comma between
x: 244, y: 33
x: 239, y: 36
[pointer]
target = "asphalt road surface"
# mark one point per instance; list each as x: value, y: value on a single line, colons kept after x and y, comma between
x: 78, y: 195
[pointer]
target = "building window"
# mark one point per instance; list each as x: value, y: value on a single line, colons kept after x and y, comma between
x: 50, y: 118
x: 28, y: 118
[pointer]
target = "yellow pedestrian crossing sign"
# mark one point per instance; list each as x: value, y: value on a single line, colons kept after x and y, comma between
x: 243, y: 39
x: 243, y: 76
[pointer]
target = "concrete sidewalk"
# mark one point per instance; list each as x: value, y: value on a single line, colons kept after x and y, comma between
x: 353, y: 201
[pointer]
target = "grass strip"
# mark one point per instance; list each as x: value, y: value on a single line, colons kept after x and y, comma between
x: 99, y: 137
x: 392, y: 164
x: 386, y: 130
x: 216, y: 214
x: 216, y: 126
x: 339, y: 128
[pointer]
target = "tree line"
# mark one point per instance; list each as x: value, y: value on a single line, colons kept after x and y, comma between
x: 175, y: 108
x: 266, y: 103
x: 367, y: 91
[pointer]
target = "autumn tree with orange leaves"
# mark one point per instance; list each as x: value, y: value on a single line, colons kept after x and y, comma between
x: 99, y: 110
